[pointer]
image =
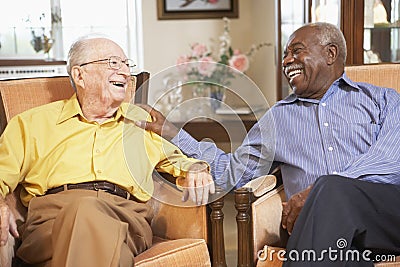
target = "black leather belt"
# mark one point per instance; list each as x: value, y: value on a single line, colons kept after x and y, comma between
x: 96, y: 186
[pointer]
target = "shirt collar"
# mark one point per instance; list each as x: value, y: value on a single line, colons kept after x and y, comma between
x: 332, y: 89
x: 72, y: 108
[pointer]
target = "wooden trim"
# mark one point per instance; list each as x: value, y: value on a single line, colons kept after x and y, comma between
x: 29, y: 62
x: 352, y: 26
x: 278, y: 50
x: 201, y: 129
x: 164, y: 14
x: 358, y: 45
x: 142, y: 87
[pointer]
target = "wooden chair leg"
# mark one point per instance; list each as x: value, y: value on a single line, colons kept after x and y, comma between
x: 217, y: 231
x: 243, y: 205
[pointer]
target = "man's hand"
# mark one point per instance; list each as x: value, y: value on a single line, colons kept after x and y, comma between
x: 159, y: 125
x: 198, y: 184
x: 292, y: 208
x: 7, y: 223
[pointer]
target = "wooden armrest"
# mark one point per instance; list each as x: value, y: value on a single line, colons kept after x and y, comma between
x: 262, y: 185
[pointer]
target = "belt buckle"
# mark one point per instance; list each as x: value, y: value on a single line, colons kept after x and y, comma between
x: 95, y: 186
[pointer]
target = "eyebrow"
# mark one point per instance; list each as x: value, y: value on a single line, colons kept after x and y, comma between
x: 297, y: 43
x: 291, y: 46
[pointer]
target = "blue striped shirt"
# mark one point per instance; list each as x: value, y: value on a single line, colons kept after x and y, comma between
x: 353, y: 131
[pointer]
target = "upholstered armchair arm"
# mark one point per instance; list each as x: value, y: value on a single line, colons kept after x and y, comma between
x: 259, y: 209
x: 19, y: 211
x: 174, y: 221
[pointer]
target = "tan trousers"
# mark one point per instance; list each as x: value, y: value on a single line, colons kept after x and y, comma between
x: 83, y: 228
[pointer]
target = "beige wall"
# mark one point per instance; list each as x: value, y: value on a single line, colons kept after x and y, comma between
x: 165, y: 40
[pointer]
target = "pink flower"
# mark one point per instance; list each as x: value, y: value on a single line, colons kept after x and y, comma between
x: 198, y: 50
x: 206, y: 66
x: 181, y: 62
x: 239, y: 62
x: 182, y: 59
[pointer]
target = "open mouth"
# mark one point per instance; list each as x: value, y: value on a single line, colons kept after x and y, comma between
x: 293, y: 73
x: 119, y: 84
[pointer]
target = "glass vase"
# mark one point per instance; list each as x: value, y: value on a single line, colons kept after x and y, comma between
x: 217, y: 96
x: 201, y: 92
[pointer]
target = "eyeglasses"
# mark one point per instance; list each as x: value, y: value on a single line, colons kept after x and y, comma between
x: 114, y: 62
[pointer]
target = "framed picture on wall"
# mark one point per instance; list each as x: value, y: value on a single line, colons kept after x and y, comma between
x: 197, y: 9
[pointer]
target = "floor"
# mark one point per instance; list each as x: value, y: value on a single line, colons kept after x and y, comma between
x: 230, y: 231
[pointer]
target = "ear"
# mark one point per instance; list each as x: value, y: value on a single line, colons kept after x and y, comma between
x: 76, y: 74
x: 332, y: 53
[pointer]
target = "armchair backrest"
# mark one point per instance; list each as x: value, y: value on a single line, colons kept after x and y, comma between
x: 18, y: 95
x: 384, y: 75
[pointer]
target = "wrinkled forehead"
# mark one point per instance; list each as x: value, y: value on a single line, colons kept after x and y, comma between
x: 103, y: 47
x: 304, y: 36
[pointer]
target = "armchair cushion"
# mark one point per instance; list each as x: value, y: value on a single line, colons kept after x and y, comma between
x: 270, y: 257
x: 179, y: 252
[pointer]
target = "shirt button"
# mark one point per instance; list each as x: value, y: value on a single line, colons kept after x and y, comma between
x: 99, y: 171
x: 323, y: 104
x: 326, y: 124
x: 330, y: 148
x: 97, y: 151
x: 334, y: 172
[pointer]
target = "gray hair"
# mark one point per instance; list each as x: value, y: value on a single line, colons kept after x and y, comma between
x: 331, y: 34
x: 78, y: 52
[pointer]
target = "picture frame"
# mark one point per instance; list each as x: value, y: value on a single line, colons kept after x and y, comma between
x: 197, y: 9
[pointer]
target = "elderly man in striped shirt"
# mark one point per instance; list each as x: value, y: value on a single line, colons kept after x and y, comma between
x: 338, y: 146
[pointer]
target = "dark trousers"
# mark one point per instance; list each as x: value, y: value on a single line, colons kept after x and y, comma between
x: 346, y: 222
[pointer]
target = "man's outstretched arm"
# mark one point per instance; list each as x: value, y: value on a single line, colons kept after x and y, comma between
x: 251, y: 159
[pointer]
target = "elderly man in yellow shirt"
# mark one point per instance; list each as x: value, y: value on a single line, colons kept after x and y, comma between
x: 64, y: 152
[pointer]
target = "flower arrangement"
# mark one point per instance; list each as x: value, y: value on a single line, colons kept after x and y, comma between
x: 205, y: 66
x: 212, y: 68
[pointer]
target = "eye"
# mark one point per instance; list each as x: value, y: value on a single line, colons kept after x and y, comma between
x: 297, y: 50
x: 114, y: 62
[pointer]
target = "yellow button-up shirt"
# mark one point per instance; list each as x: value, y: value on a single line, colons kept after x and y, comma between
x: 54, y: 144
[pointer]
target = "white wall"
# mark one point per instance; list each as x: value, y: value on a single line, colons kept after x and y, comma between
x: 165, y: 40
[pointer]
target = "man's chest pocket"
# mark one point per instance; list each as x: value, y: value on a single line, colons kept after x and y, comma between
x: 357, y: 135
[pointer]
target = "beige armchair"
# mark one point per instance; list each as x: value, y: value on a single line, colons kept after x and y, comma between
x: 183, y: 236
x: 259, y: 207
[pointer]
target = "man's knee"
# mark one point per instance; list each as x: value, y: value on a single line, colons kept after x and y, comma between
x: 333, y: 187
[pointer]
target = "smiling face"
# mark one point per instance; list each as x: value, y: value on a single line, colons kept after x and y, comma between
x: 99, y: 78
x: 308, y: 63
x: 100, y: 88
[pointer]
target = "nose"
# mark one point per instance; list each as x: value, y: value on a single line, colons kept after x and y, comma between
x: 124, y: 70
x: 287, y: 59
